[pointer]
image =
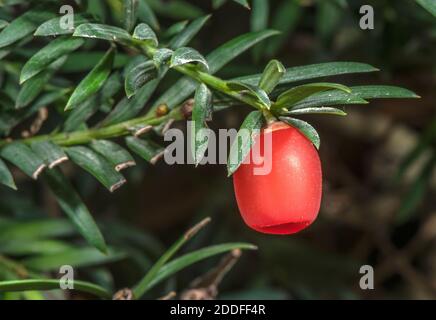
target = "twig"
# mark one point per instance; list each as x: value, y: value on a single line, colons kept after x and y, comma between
x: 194, y: 230
x: 116, y: 130
x: 206, y: 286
x: 424, y: 234
x: 123, y: 294
x: 36, y: 124
x: 401, y: 263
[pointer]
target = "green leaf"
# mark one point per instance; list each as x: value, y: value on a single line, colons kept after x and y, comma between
x: 148, y: 150
x: 23, y: 26
x: 235, y: 47
x: 271, y: 76
x: 216, y: 4
x: 119, y: 157
x: 51, y: 153
x: 243, y: 3
x: 244, y: 140
x: 6, y: 178
x: 175, y: 9
x: 314, y: 71
x: 187, y: 55
x: 306, y: 129
x: 184, y: 37
x: 96, y: 165
x: 53, y: 27
x: 328, y: 18
x: 89, y: 107
x: 162, y: 56
x: 3, y: 24
x: 146, y: 14
x: 357, y: 96
x: 111, y: 87
x: 10, y: 118
x: 140, y: 289
x: 52, y: 284
x: 47, y: 55
x: 79, y: 62
x: 382, y: 92
x: 34, y: 86
x: 116, y: 10
x: 252, y: 91
x: 216, y: 60
x: 294, y: 95
x: 201, y: 113
x: 139, y: 75
x: 174, y: 29
x: 22, y: 247
x: 74, y: 208
x: 130, y: 13
x: 24, y: 158
x: 93, y: 81
x: 258, y: 22
x: 127, y: 109
x: 77, y: 258
x: 81, y: 113
x: 317, y: 110
x: 37, y: 229
x: 103, y: 32
x: 328, y: 98
x: 189, y: 259
x: 97, y: 9
x: 144, y: 33
x: 429, y: 5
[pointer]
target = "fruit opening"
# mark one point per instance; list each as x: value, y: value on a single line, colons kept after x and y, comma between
x: 284, y: 228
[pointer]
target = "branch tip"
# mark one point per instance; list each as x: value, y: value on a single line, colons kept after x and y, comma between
x: 117, y: 185
x: 57, y: 162
x: 141, y: 131
x: 195, y: 229
x: 167, y: 125
x: 38, y: 171
x: 123, y: 294
x: 157, y: 157
x: 125, y: 165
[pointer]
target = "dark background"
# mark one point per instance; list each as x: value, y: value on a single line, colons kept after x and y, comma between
x: 369, y: 214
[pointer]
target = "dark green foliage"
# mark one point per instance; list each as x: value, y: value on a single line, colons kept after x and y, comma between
x: 87, y: 94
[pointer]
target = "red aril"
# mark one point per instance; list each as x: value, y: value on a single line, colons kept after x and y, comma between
x: 287, y: 199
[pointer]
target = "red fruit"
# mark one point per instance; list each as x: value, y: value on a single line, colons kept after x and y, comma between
x: 287, y: 199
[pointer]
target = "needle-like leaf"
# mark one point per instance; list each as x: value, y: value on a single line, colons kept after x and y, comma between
x: 140, y: 289
x: 47, y: 55
x: 244, y: 140
x: 201, y: 113
x: 305, y: 129
x: 74, y: 208
x: 96, y: 165
x: 93, y: 81
x: 52, y: 284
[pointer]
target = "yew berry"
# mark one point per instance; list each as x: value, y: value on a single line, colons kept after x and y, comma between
x: 287, y: 199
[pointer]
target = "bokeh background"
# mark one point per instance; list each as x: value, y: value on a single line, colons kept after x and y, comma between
x: 378, y: 205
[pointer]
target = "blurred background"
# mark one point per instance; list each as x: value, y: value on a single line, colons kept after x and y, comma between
x: 378, y: 204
